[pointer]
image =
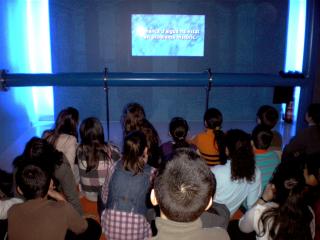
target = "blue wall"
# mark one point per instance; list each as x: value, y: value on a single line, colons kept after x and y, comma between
x: 241, y: 37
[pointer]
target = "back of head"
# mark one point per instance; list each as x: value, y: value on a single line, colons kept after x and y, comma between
x: 268, y: 116
x: 134, y: 147
x: 132, y: 115
x: 178, y: 129
x: 314, y: 112
x: 93, y: 147
x: 241, y: 154
x: 32, y: 180
x: 43, y: 153
x: 183, y: 188
x: 213, y: 118
x: 292, y: 218
x: 91, y: 131
x: 262, y: 137
x: 66, y: 123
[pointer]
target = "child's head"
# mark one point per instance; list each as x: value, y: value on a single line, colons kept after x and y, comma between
x: 91, y: 131
x: 132, y: 115
x: 66, y: 122
x: 184, y: 187
x: 43, y: 153
x: 213, y: 119
x: 241, y: 153
x: 262, y: 137
x: 267, y: 116
x: 135, y: 154
x: 313, y: 113
x: 32, y: 182
x: 178, y: 129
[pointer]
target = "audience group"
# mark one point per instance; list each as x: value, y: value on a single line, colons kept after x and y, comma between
x: 214, y: 185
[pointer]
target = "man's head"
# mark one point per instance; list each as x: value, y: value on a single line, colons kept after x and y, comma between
x: 184, y: 187
x: 32, y: 181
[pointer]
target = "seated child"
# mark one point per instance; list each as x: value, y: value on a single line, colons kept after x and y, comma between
x: 266, y: 160
x: 178, y: 130
x: 94, y: 157
x: 40, y: 218
x: 125, y: 191
x: 268, y: 116
x: 183, y: 189
x: 210, y: 143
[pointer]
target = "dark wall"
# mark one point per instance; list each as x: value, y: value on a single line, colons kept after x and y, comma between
x: 241, y: 37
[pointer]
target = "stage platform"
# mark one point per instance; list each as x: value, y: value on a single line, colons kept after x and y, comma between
x: 16, y: 148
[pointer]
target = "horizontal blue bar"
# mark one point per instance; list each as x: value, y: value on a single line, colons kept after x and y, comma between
x: 150, y: 79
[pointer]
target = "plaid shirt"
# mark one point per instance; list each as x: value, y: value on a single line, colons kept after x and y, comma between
x: 119, y: 225
x: 91, y: 182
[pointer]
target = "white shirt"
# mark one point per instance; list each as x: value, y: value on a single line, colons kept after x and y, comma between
x: 234, y: 193
x: 249, y: 222
x: 5, y: 205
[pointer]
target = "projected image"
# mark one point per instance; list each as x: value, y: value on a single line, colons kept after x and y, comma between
x: 167, y: 35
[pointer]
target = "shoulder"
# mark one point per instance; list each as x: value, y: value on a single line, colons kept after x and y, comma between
x: 216, y: 233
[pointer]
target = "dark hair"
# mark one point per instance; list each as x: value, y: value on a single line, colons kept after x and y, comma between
x: 132, y: 115
x: 268, y: 116
x: 92, y: 148
x: 6, y: 183
x: 41, y: 152
x: 32, y: 180
x: 291, y: 219
x: 213, y: 120
x: 262, y: 137
x: 153, y: 142
x: 66, y: 123
x: 184, y: 186
x: 178, y: 129
x: 133, y: 152
x: 241, y: 154
x: 314, y: 112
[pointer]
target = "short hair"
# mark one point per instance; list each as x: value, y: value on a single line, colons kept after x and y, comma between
x: 184, y: 186
x: 268, y: 116
x: 32, y: 180
x: 262, y: 137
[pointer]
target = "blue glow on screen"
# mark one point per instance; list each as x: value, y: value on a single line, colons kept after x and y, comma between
x: 295, y: 42
x: 167, y: 35
x: 29, y: 52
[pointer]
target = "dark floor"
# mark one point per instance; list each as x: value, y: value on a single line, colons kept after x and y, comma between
x: 16, y: 148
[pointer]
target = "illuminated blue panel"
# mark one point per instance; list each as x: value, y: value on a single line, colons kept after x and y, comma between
x: 29, y: 52
x: 295, y: 42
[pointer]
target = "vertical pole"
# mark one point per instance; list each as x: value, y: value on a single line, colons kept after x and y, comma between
x: 208, y: 88
x: 106, y: 90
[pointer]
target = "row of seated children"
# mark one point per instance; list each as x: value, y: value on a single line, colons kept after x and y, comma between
x: 239, y: 171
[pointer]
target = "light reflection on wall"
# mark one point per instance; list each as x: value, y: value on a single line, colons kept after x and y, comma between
x: 295, y: 42
x: 28, y: 36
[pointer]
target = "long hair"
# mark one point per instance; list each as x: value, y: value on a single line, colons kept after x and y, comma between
x: 92, y: 148
x: 241, y: 154
x: 153, y: 142
x: 66, y: 123
x: 132, y: 115
x: 213, y: 120
x: 291, y: 219
x: 178, y: 129
x: 133, y: 152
